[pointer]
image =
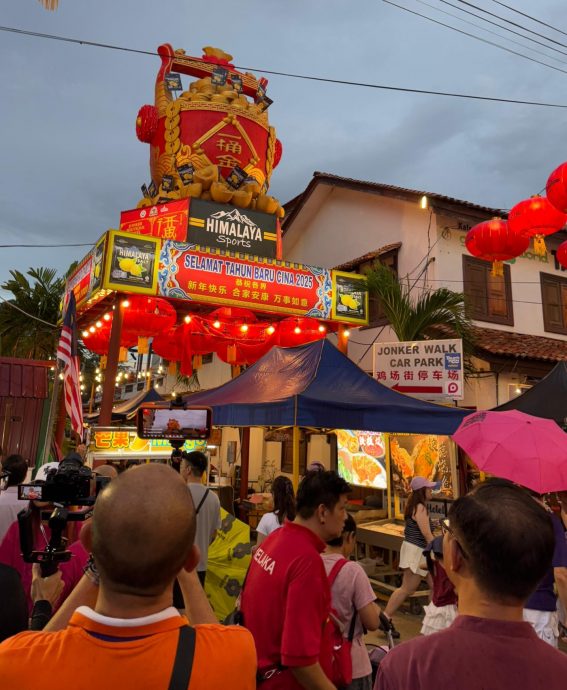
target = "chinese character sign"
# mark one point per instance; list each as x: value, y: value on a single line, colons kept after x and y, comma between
x: 196, y: 273
x: 168, y: 221
x: 429, y: 369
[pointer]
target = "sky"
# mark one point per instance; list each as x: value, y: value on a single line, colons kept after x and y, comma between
x: 71, y: 162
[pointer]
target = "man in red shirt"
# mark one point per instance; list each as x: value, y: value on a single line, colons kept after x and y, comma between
x: 286, y: 597
x: 498, y: 544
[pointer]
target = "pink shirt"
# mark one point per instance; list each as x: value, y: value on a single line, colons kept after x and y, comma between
x: 350, y: 590
x: 71, y: 572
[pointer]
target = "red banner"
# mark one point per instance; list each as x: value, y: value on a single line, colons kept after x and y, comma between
x: 168, y: 221
x: 186, y: 272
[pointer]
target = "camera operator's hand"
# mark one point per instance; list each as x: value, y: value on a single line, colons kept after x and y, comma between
x: 46, y: 588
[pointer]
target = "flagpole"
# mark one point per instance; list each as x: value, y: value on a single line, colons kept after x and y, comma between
x: 51, y: 416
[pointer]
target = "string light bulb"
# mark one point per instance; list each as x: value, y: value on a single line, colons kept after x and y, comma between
x: 217, y: 324
x: 125, y: 303
x: 85, y: 334
x: 346, y: 333
x: 244, y: 327
x: 297, y: 330
x: 98, y: 324
x: 322, y: 328
x: 187, y: 319
x: 270, y: 329
x: 106, y: 317
x: 92, y: 329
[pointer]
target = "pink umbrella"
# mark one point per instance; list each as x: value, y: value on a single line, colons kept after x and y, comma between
x: 527, y: 450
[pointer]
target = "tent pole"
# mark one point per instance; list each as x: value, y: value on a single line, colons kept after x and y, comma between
x: 295, y: 443
x: 244, y: 462
x: 388, y: 476
x: 105, y: 416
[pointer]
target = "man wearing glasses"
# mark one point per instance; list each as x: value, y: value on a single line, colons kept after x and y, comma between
x: 498, y: 543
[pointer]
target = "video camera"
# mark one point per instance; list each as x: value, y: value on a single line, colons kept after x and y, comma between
x: 69, y: 484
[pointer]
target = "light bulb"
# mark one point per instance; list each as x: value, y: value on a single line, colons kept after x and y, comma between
x: 244, y: 327
x: 125, y: 303
x: 297, y: 329
x: 92, y: 329
x: 106, y: 317
x: 216, y: 324
x: 85, y: 334
x: 346, y: 333
x: 187, y: 319
x: 270, y: 329
x: 98, y: 324
x: 322, y: 328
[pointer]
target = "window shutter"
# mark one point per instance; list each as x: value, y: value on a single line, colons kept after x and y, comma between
x: 475, y: 287
x: 551, y: 293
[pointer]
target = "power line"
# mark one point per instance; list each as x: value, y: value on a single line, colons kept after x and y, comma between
x: 494, y: 33
x: 31, y: 316
x: 478, y: 38
x: 528, y: 16
x: 343, y: 82
x: 509, y: 21
x: 43, y: 246
x: 505, y: 28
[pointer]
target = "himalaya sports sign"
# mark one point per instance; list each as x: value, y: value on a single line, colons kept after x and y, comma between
x: 233, y: 229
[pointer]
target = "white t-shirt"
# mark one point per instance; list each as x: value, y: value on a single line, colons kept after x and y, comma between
x: 268, y: 524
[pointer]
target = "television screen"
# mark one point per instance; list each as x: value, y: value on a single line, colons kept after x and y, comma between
x: 173, y: 424
x: 361, y: 458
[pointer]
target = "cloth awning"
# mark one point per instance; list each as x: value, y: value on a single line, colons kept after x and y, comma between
x: 316, y: 385
x: 127, y: 408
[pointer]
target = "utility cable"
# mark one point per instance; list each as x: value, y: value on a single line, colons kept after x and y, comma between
x: 44, y: 246
x: 343, y: 82
x: 31, y: 316
x: 478, y: 38
x: 528, y: 16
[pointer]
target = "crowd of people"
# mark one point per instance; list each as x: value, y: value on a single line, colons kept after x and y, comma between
x: 128, y: 608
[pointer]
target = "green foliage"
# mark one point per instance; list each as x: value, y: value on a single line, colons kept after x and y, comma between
x: 433, y: 314
x: 20, y: 335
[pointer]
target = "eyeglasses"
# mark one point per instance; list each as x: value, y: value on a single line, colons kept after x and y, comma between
x: 447, y: 529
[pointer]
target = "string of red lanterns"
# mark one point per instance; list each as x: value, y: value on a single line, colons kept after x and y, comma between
x: 498, y: 240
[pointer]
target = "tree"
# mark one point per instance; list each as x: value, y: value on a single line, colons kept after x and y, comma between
x: 28, y: 320
x: 440, y: 312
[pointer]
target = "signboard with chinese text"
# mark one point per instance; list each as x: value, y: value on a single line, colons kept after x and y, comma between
x: 86, y: 280
x: 132, y: 263
x: 168, y: 221
x: 227, y: 227
x: 190, y: 272
x: 361, y: 458
x: 350, y: 298
x: 429, y: 369
x: 423, y: 455
x: 124, y: 442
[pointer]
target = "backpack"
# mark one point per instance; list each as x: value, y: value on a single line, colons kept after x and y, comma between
x: 339, y: 665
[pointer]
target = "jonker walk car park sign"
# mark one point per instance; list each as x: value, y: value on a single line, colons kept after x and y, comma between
x: 430, y: 369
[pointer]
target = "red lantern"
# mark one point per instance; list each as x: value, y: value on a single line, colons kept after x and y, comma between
x: 169, y: 344
x: 494, y: 241
x: 556, y: 188
x: 561, y: 254
x: 298, y: 331
x: 97, y: 341
x: 536, y: 217
x: 148, y: 316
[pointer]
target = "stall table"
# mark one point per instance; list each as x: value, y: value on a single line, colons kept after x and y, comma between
x: 387, y: 535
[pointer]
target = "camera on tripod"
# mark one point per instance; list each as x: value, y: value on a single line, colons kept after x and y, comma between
x: 69, y: 484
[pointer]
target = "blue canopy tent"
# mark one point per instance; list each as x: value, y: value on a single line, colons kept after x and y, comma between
x: 316, y: 385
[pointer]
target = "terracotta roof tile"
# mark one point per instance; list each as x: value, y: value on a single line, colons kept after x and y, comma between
x: 349, y: 265
x: 520, y: 345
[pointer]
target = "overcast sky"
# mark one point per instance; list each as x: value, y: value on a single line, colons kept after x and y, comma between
x: 71, y: 160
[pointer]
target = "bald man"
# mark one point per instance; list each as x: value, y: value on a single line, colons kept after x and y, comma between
x: 142, y: 538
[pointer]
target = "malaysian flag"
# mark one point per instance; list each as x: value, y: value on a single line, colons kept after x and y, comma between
x: 67, y: 352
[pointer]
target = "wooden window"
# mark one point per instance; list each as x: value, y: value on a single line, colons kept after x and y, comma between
x: 287, y: 455
x: 554, y: 302
x: 376, y: 316
x: 489, y: 297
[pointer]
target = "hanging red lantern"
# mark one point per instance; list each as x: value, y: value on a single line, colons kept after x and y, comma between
x: 536, y: 217
x: 148, y: 316
x: 556, y: 188
x: 561, y: 254
x: 493, y: 241
x: 98, y: 340
x: 298, y: 331
x: 169, y: 344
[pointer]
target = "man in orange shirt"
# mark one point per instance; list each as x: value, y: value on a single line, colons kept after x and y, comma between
x: 142, y: 538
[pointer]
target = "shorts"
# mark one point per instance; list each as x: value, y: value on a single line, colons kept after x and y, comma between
x: 545, y: 624
x: 437, y: 618
x: 411, y: 557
